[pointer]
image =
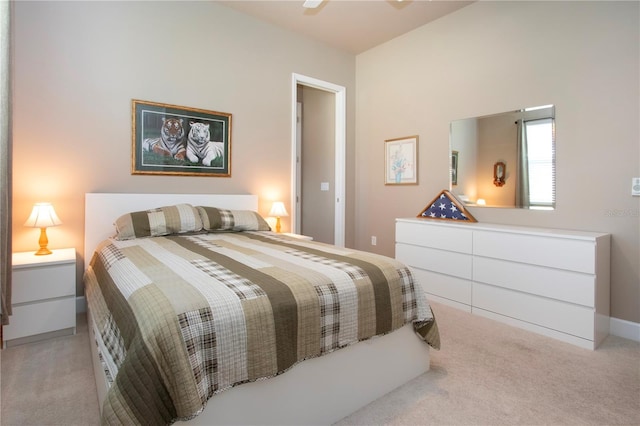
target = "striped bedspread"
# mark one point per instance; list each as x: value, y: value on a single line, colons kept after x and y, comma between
x: 181, y: 318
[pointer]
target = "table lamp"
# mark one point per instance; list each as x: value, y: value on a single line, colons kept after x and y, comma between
x: 278, y: 210
x: 43, y: 216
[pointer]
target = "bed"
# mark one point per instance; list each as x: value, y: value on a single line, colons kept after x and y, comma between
x: 255, y: 364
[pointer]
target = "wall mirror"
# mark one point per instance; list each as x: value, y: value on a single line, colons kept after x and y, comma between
x: 522, y: 142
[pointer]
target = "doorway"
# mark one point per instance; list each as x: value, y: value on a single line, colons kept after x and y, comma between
x: 316, y: 164
x: 338, y: 202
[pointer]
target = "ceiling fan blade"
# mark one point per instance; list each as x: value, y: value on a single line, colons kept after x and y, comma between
x: 312, y: 4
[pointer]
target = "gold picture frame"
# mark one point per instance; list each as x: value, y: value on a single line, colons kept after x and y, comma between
x: 401, y: 161
x: 176, y: 140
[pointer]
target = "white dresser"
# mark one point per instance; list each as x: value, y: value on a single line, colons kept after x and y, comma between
x: 551, y: 281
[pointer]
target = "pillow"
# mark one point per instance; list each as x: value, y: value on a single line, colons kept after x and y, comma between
x: 176, y: 219
x: 215, y: 219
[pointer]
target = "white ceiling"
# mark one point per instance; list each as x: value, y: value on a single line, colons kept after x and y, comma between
x: 351, y: 25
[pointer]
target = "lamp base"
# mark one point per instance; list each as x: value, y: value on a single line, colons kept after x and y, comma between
x: 43, y: 241
x: 278, y: 226
x: 43, y: 251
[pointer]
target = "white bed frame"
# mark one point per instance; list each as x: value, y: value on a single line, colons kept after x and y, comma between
x: 318, y: 391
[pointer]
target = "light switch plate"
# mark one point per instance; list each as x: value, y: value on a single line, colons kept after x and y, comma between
x: 635, y: 186
x: 324, y: 186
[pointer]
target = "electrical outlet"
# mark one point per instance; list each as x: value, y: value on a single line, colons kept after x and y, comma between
x: 374, y: 240
x: 635, y: 186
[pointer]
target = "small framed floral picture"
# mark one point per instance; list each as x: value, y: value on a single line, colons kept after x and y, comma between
x: 401, y: 161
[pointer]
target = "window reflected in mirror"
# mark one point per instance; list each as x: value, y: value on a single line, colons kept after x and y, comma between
x: 521, y: 143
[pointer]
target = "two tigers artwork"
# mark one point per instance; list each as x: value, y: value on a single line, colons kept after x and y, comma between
x: 196, y: 147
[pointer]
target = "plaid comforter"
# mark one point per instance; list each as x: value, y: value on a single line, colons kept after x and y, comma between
x: 180, y: 318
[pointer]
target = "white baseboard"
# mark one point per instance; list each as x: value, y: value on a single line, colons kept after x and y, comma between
x: 81, y: 304
x: 627, y: 329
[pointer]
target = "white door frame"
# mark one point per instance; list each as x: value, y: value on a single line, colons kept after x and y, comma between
x: 340, y: 93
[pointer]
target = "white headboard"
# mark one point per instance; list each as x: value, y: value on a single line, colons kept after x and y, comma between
x: 102, y: 209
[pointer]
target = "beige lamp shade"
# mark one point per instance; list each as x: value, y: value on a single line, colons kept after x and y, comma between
x: 278, y: 210
x: 43, y: 216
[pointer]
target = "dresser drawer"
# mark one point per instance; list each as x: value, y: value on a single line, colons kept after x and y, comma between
x: 452, y: 288
x: 554, y: 314
x: 444, y: 262
x: 38, y: 283
x: 443, y: 238
x: 43, y: 317
x: 564, y: 253
x: 569, y: 286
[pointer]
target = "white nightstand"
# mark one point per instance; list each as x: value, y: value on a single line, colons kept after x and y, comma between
x: 43, y: 296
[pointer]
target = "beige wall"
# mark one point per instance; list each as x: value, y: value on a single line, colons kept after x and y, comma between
x: 78, y: 65
x: 492, y: 57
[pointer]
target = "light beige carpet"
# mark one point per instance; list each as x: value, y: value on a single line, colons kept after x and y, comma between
x: 49, y: 382
x: 487, y: 373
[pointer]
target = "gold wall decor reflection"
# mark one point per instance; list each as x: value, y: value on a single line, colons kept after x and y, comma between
x: 499, y: 173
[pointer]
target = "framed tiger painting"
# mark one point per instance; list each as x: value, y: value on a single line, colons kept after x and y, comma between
x: 175, y: 140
